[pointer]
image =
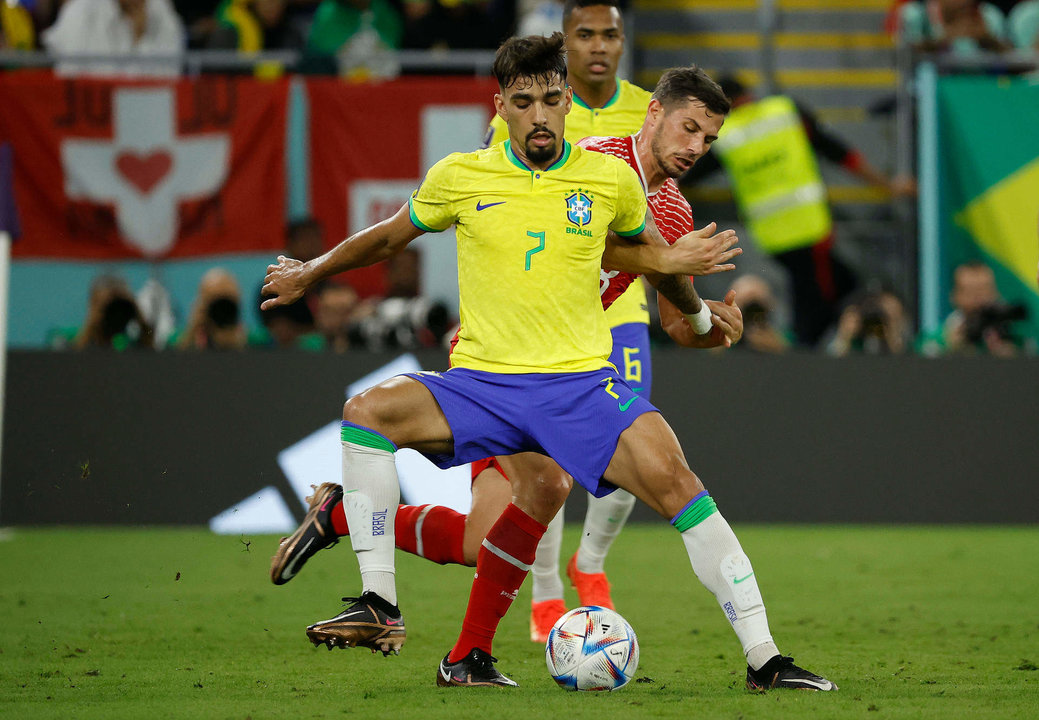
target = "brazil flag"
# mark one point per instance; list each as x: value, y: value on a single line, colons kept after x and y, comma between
x: 989, y: 180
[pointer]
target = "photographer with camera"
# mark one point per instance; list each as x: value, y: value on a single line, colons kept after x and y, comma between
x: 216, y: 318
x: 113, y: 318
x: 981, y: 322
x: 874, y: 324
x: 761, y: 334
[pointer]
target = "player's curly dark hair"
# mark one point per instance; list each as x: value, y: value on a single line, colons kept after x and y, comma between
x: 679, y: 84
x: 540, y: 58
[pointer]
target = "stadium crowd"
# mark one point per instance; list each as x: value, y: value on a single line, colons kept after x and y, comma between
x: 358, y: 39
x: 327, y: 29
x: 874, y: 320
x: 319, y: 28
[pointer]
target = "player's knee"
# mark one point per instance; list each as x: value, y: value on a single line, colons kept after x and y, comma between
x: 557, y: 487
x: 358, y: 411
x: 669, y: 486
x: 368, y: 410
x: 549, y: 491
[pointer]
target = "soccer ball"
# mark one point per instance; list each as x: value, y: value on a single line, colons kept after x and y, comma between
x: 592, y: 648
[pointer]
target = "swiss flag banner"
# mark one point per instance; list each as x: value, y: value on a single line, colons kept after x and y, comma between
x: 116, y: 169
x: 372, y: 143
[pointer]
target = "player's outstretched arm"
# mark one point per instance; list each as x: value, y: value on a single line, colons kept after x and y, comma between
x: 289, y: 279
x: 700, y: 252
x: 726, y: 318
x: 704, y: 252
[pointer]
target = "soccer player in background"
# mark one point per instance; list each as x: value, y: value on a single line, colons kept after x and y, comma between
x: 604, y: 105
x: 524, y: 375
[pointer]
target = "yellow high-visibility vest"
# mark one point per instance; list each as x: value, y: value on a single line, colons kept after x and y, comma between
x: 774, y: 174
x: 17, y: 26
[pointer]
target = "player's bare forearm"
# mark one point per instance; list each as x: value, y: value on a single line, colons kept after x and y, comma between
x: 643, y: 253
x: 726, y: 318
x: 674, y: 323
x: 289, y: 279
x: 700, y: 252
x: 678, y: 289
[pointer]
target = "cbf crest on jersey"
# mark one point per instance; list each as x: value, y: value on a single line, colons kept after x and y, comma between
x: 579, y: 208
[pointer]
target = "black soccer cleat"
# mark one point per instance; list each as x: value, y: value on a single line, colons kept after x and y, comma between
x: 780, y: 672
x: 474, y: 670
x: 315, y: 533
x: 369, y: 621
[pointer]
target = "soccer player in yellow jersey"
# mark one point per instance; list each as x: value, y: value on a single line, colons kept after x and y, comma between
x: 607, y: 106
x: 530, y: 370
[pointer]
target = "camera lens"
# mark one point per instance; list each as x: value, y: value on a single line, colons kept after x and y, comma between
x: 117, y: 315
x: 223, y: 312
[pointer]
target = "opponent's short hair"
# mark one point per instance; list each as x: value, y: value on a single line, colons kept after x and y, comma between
x: 570, y: 5
x: 536, y: 57
x: 678, y: 85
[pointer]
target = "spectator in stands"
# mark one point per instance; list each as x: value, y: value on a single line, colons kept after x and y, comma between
x: 339, y: 311
x: 1023, y: 25
x: 544, y: 18
x: 287, y: 325
x: 980, y: 321
x: 355, y: 38
x: 253, y: 25
x: 760, y: 330
x: 769, y: 147
x: 958, y: 26
x: 216, y: 316
x: 404, y: 318
x: 199, y: 17
x: 16, y: 26
x: 113, y: 319
x: 133, y: 29
x: 874, y: 324
x: 457, y: 24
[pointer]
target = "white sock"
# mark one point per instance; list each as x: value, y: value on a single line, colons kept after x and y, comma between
x: 602, y: 523
x: 371, y: 494
x: 545, y: 571
x: 721, y: 565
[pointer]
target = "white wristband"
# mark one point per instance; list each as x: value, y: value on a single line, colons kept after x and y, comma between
x: 701, y: 321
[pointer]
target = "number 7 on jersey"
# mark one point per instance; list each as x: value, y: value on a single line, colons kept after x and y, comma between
x: 540, y: 246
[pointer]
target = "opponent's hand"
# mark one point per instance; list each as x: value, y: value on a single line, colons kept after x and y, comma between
x: 726, y: 317
x: 285, y: 283
x: 704, y: 252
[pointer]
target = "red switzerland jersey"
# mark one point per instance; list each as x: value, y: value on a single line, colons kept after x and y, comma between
x: 671, y: 211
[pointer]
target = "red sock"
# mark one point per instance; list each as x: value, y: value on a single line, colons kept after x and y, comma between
x: 431, y: 531
x: 498, y: 578
x: 339, y: 520
x: 442, y: 531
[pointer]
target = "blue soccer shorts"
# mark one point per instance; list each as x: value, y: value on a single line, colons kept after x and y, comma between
x: 574, y: 418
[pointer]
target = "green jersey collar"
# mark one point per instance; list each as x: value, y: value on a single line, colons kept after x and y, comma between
x: 522, y: 166
x: 611, y: 101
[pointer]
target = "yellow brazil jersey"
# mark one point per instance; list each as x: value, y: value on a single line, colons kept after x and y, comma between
x: 530, y: 246
x: 622, y: 115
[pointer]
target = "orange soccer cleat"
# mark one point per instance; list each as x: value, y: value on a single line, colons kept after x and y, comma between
x: 543, y: 616
x: 592, y: 588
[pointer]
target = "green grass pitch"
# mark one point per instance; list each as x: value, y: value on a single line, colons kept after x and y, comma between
x: 911, y: 622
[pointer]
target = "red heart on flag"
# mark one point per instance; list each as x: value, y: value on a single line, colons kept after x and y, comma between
x: 144, y: 171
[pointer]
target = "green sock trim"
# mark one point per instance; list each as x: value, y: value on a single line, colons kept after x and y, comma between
x: 695, y: 513
x: 367, y: 438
